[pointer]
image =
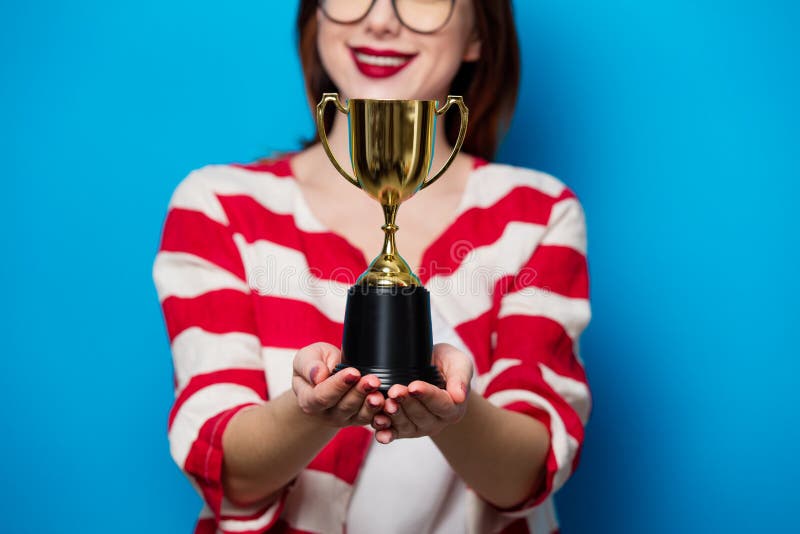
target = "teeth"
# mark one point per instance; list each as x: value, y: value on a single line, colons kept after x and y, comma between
x: 381, y: 61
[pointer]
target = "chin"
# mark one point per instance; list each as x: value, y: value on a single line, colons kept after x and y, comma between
x: 370, y: 89
x: 382, y: 94
x: 384, y: 91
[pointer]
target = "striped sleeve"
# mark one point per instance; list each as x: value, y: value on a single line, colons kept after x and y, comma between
x: 216, y: 352
x: 536, y: 366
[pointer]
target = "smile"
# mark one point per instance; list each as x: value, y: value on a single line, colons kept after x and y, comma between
x: 380, y: 63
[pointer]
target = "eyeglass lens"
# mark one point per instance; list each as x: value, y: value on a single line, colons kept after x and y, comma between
x: 423, y: 16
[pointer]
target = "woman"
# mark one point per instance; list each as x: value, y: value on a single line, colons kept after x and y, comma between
x: 250, y: 278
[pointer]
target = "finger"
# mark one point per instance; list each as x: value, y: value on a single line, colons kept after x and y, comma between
x: 305, y: 368
x: 328, y: 393
x: 352, y: 402
x: 418, y: 414
x: 313, y: 362
x: 332, y: 357
x: 396, y: 390
x: 435, y: 400
x: 375, y: 400
x: 400, y: 421
x: 371, y: 407
x: 381, y: 421
x: 456, y: 368
x: 386, y: 436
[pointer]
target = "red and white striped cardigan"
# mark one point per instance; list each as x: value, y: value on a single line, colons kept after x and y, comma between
x: 246, y: 276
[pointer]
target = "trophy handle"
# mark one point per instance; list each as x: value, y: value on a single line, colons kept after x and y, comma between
x: 462, y: 133
x: 326, y: 99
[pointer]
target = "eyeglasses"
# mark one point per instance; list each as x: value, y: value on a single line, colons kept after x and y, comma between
x: 420, y: 16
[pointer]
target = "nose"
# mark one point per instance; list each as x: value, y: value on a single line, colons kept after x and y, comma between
x: 382, y: 19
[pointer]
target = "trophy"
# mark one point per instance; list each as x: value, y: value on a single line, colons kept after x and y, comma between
x: 387, y: 323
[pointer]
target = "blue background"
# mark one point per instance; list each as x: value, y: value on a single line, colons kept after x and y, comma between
x: 675, y: 121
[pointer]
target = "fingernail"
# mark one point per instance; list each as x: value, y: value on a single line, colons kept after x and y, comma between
x: 374, y: 402
x: 313, y: 373
x: 350, y: 379
x: 391, y: 409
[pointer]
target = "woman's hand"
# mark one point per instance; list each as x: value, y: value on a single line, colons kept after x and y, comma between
x: 422, y: 409
x: 343, y: 399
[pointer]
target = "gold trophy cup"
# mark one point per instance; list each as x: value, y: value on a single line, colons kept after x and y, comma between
x: 387, y: 324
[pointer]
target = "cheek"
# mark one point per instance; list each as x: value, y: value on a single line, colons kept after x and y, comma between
x: 444, y: 66
x: 329, y: 45
x: 448, y: 50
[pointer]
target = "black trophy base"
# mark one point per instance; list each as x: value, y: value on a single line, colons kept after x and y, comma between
x: 387, y: 332
x: 389, y: 377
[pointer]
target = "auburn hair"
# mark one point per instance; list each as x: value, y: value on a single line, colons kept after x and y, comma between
x: 489, y: 85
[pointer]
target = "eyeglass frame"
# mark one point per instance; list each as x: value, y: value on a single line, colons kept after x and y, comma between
x: 396, y: 13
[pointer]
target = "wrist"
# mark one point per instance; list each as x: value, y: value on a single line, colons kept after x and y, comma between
x: 454, y: 432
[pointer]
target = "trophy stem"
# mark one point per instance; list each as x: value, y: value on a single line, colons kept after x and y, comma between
x: 389, y: 229
x: 389, y: 269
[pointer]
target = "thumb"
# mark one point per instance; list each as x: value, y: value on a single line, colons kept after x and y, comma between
x: 313, y: 362
x: 456, y: 368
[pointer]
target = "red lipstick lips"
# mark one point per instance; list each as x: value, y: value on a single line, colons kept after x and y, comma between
x: 380, y: 63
